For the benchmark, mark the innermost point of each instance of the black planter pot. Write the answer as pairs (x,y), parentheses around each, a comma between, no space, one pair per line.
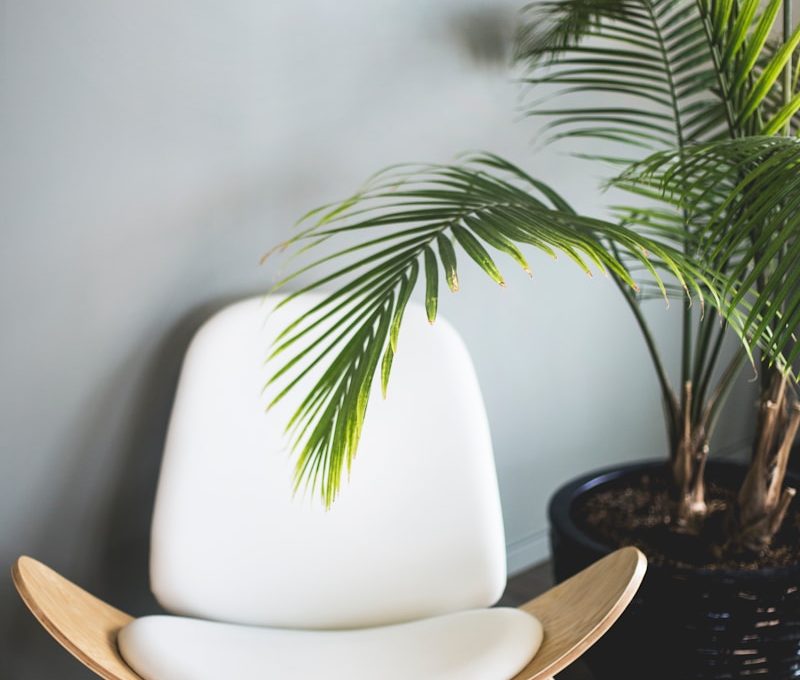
(686,624)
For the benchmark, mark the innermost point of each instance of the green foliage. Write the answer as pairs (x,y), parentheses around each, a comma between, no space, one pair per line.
(747,192)
(401,219)
(674,76)
(689,93)
(648,61)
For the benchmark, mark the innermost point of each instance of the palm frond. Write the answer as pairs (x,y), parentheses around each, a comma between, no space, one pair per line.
(410,224)
(649,59)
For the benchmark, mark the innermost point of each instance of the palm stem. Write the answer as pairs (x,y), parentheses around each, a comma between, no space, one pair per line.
(705,379)
(667,393)
(700,359)
(718,398)
(686,348)
(686,342)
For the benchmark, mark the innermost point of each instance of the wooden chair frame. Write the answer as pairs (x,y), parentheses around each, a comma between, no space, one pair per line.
(574,614)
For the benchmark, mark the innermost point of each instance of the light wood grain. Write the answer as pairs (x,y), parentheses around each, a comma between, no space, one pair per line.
(86,626)
(574,614)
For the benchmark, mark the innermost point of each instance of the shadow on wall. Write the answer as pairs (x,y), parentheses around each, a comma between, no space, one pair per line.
(112,559)
(485,34)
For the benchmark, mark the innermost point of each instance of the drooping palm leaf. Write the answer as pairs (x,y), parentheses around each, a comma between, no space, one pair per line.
(410,225)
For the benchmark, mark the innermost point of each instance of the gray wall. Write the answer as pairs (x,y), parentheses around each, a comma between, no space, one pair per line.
(152,151)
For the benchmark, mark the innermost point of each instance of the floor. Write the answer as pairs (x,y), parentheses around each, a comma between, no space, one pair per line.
(527,585)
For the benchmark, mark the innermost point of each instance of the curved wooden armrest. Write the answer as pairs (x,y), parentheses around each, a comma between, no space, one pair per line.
(84,625)
(577,613)
(574,614)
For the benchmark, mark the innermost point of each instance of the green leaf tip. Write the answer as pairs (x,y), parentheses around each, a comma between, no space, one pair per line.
(478,253)
(386,369)
(431,284)
(407,284)
(448,255)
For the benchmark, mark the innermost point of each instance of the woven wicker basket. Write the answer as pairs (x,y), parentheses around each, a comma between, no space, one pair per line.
(687,624)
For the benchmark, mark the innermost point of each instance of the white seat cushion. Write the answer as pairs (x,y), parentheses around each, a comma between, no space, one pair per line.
(484,644)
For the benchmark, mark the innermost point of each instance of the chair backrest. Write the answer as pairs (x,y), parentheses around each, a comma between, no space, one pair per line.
(416,531)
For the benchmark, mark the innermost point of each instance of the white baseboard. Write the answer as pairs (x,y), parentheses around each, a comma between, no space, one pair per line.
(527,551)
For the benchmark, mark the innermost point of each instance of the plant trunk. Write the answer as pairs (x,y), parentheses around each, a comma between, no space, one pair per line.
(688,467)
(763,501)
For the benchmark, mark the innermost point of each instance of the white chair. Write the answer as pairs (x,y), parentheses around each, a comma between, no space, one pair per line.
(393,583)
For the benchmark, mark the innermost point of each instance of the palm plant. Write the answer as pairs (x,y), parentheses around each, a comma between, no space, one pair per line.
(702,105)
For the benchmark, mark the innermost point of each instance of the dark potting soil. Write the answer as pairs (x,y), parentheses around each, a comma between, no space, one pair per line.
(637,512)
